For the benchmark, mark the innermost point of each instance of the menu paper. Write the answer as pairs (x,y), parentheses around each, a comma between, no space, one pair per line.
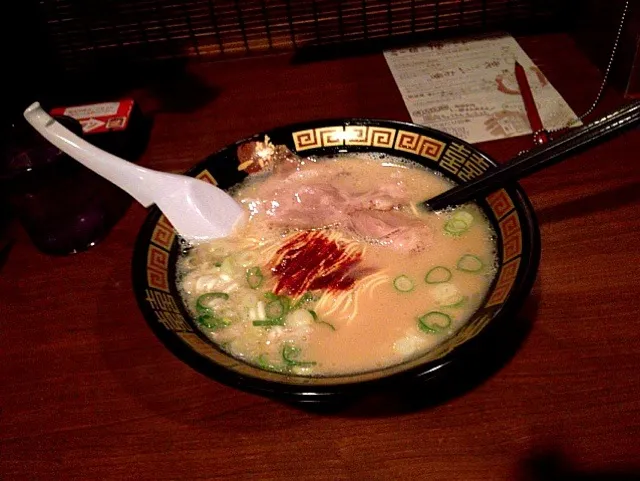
(468,88)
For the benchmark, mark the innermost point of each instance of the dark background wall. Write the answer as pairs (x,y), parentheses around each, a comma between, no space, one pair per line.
(596,25)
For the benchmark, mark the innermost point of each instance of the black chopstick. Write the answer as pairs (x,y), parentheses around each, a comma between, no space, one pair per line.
(539,157)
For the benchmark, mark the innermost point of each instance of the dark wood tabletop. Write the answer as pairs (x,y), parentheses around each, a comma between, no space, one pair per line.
(88,392)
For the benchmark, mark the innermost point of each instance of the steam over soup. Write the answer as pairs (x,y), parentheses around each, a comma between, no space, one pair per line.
(336,270)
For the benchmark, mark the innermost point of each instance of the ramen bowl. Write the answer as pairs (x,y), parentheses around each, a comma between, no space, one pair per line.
(508,210)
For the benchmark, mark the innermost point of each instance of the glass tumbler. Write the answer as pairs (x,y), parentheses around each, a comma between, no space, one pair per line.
(64,207)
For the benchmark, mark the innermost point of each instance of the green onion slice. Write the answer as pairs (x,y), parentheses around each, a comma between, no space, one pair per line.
(434,322)
(403,284)
(314,314)
(291,353)
(275,309)
(469,263)
(456,227)
(269,322)
(286,301)
(264,363)
(456,304)
(202,304)
(437,275)
(210,321)
(254,277)
(329,325)
(208,317)
(464,216)
(305,299)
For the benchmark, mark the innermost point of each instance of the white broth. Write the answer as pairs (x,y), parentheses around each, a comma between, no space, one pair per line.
(337,271)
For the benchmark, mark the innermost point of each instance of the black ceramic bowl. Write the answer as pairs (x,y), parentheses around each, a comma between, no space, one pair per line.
(508,210)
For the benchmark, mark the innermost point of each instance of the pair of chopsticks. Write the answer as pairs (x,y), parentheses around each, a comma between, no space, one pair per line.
(540,157)
(543,155)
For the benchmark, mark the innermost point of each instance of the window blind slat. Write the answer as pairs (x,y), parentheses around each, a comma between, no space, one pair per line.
(81,31)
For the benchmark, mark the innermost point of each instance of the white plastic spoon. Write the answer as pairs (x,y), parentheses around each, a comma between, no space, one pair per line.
(197,210)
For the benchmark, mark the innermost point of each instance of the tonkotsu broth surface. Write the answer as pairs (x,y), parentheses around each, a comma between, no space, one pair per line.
(373,323)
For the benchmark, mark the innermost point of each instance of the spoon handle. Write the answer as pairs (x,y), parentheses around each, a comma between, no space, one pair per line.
(539,158)
(131,178)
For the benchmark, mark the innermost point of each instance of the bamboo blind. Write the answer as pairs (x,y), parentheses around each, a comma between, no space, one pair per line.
(82,32)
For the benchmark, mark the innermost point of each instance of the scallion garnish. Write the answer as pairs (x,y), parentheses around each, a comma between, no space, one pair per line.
(434,322)
(305,299)
(469,263)
(206,304)
(458,303)
(437,275)
(203,302)
(275,309)
(264,363)
(269,322)
(456,227)
(403,284)
(254,277)
(210,321)
(464,216)
(290,354)
(314,314)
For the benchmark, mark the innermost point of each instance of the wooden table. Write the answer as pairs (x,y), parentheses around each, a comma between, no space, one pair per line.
(88,392)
